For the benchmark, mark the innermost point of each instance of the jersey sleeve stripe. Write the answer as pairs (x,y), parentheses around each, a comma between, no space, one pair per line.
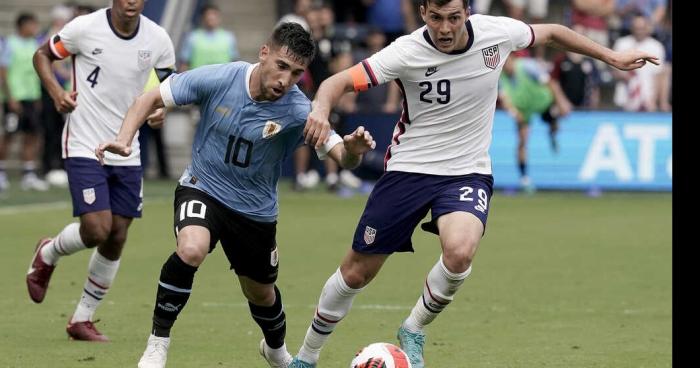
(166,93)
(370,73)
(532,31)
(359,79)
(57,48)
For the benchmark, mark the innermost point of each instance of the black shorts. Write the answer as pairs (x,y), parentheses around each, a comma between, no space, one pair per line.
(249,245)
(27,121)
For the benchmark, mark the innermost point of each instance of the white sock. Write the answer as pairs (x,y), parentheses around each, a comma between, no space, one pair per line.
(67,242)
(439,290)
(334,304)
(101,273)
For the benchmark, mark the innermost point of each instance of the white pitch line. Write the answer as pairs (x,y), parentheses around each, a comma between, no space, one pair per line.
(54,206)
(310,306)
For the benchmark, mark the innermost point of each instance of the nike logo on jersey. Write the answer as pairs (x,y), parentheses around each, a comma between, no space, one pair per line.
(432,70)
(97,51)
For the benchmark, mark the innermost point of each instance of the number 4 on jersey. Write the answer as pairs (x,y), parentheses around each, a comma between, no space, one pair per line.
(92,78)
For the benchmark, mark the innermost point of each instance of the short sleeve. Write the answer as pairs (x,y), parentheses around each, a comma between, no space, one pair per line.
(67,41)
(387,64)
(167,56)
(521,34)
(192,86)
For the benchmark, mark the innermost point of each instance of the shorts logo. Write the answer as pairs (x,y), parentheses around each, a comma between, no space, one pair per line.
(140,207)
(274,258)
(89,195)
(271,128)
(370,233)
(491,56)
(144,59)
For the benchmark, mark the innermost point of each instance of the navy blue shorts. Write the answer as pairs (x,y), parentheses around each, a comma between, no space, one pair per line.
(94,187)
(400,200)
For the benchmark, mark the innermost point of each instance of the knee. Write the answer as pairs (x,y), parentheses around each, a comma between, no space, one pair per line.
(191,254)
(457,259)
(355,278)
(94,233)
(260,296)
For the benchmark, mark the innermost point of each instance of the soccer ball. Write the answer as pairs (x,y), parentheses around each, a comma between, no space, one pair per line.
(57,178)
(380,355)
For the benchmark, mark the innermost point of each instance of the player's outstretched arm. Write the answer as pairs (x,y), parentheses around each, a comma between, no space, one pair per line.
(349,154)
(135,118)
(561,37)
(317,128)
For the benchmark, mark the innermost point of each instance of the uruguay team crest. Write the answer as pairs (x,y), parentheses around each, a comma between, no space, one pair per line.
(89,195)
(271,128)
(370,233)
(144,59)
(491,56)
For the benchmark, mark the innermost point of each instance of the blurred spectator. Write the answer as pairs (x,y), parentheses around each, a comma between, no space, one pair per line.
(665,37)
(626,10)
(52,120)
(82,9)
(23,90)
(332,55)
(536,9)
(592,18)
(382,98)
(301,8)
(208,44)
(394,17)
(578,78)
(350,11)
(525,88)
(639,90)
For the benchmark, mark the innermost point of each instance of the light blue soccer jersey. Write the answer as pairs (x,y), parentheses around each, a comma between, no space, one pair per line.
(240,143)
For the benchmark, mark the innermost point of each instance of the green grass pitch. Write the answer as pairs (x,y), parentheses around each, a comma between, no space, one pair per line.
(560,280)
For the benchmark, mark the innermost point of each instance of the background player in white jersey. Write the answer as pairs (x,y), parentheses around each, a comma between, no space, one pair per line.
(114,50)
(438,160)
(253,117)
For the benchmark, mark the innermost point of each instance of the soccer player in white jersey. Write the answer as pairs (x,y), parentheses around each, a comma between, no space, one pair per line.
(448,71)
(113,51)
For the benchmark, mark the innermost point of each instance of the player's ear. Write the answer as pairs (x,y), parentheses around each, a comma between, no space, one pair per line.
(264,51)
(422,13)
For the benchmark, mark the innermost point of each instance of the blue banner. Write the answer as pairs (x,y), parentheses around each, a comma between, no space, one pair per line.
(605,150)
(597,150)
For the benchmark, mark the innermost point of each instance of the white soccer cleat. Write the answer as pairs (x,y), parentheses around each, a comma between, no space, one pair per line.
(348,179)
(280,359)
(156,352)
(32,182)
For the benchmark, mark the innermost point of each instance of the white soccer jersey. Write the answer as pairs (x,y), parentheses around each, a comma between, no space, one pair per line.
(449,99)
(109,72)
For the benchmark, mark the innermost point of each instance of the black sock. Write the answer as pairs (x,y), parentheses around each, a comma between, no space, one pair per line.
(271,320)
(174,289)
(523,168)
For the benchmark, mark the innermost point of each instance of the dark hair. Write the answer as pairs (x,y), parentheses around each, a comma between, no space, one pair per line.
(24,18)
(442,3)
(297,40)
(209,6)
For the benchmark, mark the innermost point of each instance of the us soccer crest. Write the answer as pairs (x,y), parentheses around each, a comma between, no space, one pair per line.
(89,195)
(144,59)
(370,233)
(491,56)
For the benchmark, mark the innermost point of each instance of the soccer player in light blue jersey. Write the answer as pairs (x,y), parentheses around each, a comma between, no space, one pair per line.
(253,117)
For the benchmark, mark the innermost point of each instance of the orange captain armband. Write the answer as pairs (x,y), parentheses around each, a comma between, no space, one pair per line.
(57,48)
(362,76)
